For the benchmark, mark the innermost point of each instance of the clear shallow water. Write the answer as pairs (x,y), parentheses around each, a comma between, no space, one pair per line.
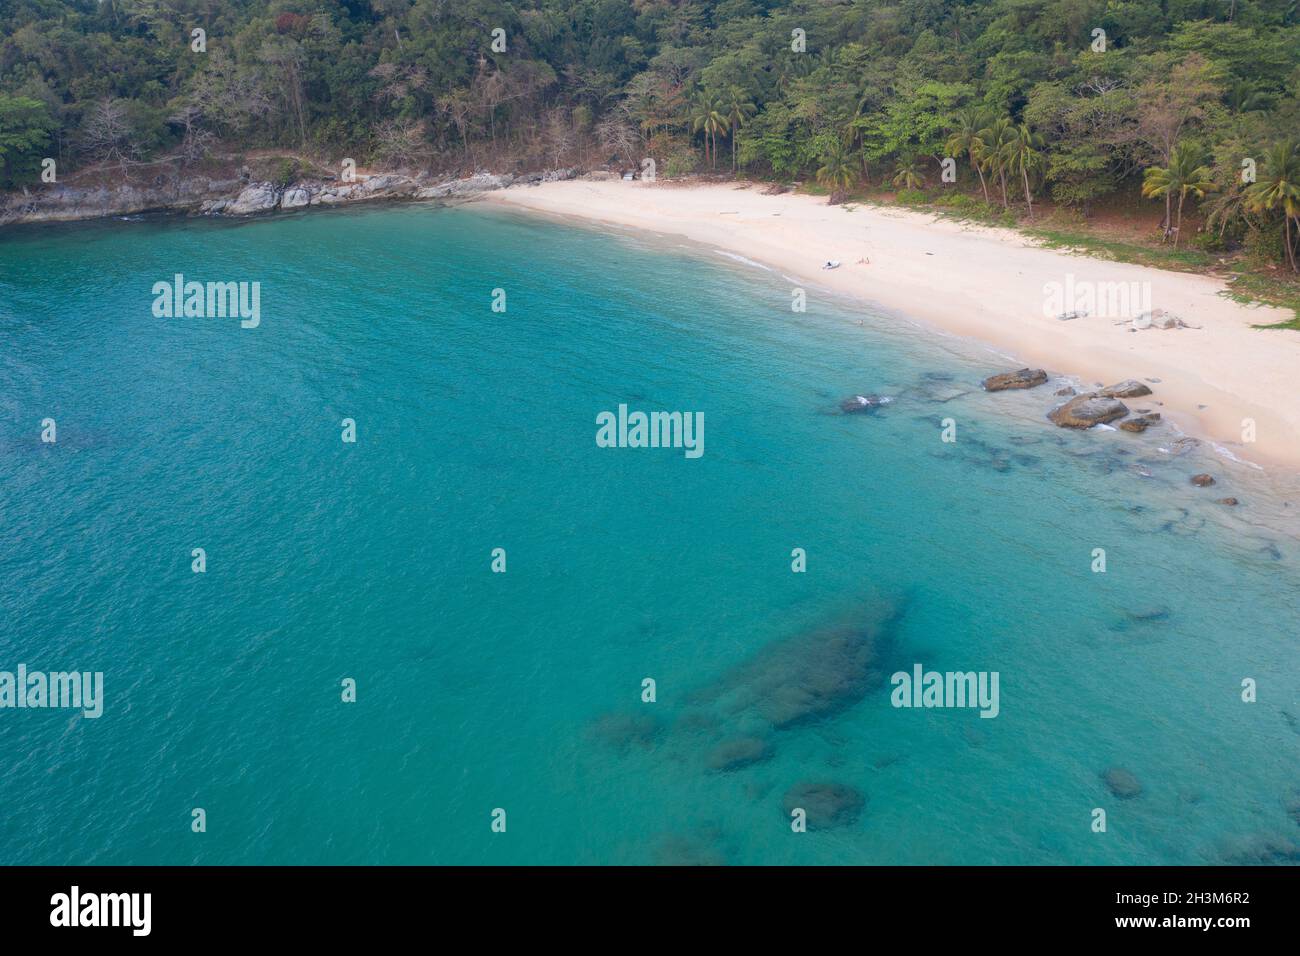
(478,690)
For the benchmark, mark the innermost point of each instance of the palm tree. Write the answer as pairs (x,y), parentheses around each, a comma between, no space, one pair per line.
(1243,97)
(739,110)
(1185,174)
(997,138)
(836,170)
(1022,153)
(907,174)
(708,115)
(1280,188)
(1228,210)
(965,138)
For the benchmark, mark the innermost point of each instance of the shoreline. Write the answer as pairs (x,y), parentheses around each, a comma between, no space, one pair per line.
(987,284)
(244,197)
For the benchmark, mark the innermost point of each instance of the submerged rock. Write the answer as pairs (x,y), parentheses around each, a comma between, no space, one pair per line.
(1262,848)
(1150,615)
(939,390)
(1202,480)
(622,731)
(1121,783)
(1021,378)
(863,403)
(1140,423)
(1128,389)
(1226,501)
(737,752)
(1181,446)
(1292,804)
(1088,410)
(809,676)
(827,805)
(690,849)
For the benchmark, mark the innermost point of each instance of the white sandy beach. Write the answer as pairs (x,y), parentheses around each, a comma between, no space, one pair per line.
(989,284)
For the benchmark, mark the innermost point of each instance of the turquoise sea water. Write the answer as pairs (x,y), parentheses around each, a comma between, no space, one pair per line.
(522,691)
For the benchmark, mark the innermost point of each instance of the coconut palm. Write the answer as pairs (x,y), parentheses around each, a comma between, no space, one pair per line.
(708,115)
(1243,97)
(739,110)
(1022,154)
(907,174)
(1230,209)
(997,138)
(836,171)
(965,139)
(1186,174)
(1280,188)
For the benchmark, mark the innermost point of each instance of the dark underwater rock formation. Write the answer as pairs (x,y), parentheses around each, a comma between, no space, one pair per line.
(622,731)
(811,675)
(827,805)
(856,404)
(737,752)
(1121,783)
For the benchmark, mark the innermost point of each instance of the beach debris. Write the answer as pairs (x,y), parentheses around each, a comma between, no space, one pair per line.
(1160,319)
(1202,480)
(1021,378)
(1140,423)
(831,264)
(1084,411)
(1121,783)
(827,805)
(1126,389)
(737,752)
(863,403)
(1226,501)
(1071,316)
